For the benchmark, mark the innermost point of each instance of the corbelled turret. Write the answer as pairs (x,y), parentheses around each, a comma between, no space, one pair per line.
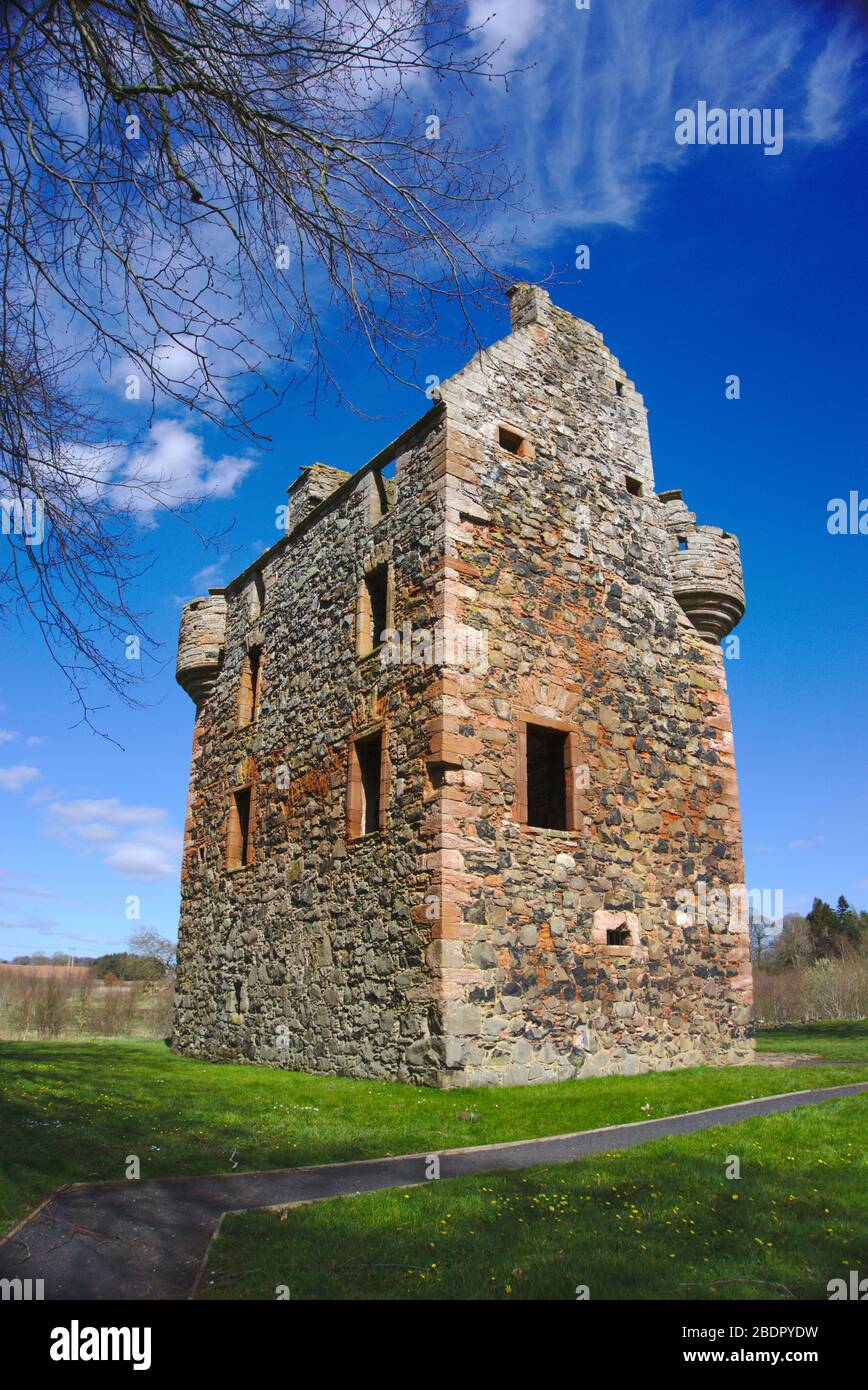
(706,570)
(200,645)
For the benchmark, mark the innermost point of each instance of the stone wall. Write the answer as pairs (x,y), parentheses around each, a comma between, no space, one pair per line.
(459,945)
(571,577)
(311,957)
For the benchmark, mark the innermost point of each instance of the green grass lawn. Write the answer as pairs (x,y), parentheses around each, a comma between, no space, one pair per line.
(659,1221)
(72,1111)
(846,1041)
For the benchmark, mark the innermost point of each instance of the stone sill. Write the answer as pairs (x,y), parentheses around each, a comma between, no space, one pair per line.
(570,835)
(353,840)
(368,656)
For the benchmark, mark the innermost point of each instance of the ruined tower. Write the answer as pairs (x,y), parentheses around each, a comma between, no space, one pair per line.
(462,782)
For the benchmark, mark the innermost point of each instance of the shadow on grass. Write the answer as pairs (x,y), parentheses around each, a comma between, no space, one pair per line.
(844,1029)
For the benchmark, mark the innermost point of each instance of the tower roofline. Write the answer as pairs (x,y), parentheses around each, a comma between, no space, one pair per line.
(350,480)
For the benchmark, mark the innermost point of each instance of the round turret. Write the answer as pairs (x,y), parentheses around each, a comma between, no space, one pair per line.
(200,645)
(706,570)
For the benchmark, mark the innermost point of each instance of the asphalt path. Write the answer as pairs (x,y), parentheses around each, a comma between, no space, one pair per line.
(147,1240)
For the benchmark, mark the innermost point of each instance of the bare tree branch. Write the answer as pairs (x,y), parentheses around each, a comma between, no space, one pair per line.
(202,200)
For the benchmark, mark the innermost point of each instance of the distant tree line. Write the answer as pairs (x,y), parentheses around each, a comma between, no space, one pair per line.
(123,965)
(58,958)
(150,957)
(826,933)
(813,967)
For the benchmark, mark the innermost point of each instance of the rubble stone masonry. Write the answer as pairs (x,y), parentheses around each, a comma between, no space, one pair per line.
(405,861)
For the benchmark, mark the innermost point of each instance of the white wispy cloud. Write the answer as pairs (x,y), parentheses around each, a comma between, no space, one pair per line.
(10,735)
(168,467)
(15,885)
(211,576)
(591,119)
(171,467)
(14,778)
(507,26)
(134,840)
(831,82)
(154,857)
(42,926)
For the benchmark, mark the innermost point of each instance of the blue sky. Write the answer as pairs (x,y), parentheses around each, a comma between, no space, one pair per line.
(703,263)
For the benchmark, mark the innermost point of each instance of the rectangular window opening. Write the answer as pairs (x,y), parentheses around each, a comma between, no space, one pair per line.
(374,609)
(365,790)
(682,542)
(259,590)
(248,691)
(619,387)
(255,667)
(509,440)
(633,486)
(240,849)
(546,754)
(381,488)
(618,936)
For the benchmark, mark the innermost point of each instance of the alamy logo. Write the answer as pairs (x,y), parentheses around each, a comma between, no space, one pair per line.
(739,125)
(445,645)
(23,1290)
(854,1288)
(847,517)
(23,516)
(77,1343)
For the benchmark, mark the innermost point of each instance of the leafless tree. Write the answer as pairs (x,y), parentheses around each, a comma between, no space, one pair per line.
(198,201)
(150,943)
(759,931)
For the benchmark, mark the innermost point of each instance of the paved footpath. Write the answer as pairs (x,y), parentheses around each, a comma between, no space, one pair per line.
(147,1240)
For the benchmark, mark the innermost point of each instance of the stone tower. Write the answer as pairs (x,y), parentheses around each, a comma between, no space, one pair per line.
(463,804)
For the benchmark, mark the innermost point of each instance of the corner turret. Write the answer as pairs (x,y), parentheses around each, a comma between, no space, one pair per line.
(200,645)
(706,570)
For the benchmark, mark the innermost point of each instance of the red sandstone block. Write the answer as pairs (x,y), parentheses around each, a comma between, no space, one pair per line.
(452,748)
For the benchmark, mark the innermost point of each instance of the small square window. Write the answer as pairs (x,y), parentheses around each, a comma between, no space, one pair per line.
(617,932)
(509,440)
(633,486)
(682,542)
